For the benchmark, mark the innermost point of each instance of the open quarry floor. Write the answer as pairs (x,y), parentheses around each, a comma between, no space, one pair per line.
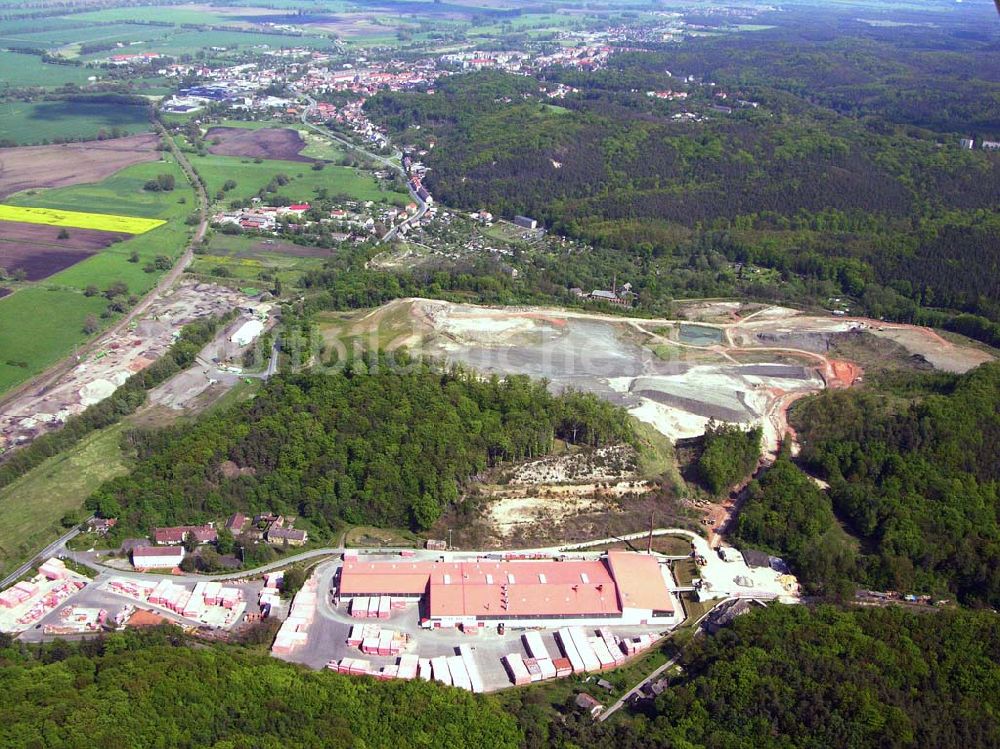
(671,374)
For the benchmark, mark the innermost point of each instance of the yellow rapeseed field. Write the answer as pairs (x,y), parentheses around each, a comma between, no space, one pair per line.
(78,220)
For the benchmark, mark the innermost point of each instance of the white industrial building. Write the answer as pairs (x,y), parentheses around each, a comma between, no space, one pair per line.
(247,332)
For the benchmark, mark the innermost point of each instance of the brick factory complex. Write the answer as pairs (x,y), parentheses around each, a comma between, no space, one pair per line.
(620,588)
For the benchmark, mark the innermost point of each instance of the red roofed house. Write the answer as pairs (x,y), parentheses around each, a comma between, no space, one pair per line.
(237,523)
(203,534)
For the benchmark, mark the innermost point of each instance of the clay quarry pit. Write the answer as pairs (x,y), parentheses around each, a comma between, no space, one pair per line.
(734,364)
(672,374)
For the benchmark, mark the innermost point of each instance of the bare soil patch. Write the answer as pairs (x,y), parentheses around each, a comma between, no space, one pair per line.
(30,167)
(283,248)
(267,143)
(37,250)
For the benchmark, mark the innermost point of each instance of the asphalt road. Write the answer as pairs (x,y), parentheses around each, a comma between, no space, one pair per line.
(49,551)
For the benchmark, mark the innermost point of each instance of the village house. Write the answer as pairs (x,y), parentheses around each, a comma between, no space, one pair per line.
(203,534)
(290,536)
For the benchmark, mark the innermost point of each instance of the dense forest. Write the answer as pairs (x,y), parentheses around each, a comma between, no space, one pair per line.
(856,198)
(153,690)
(787,514)
(730,454)
(386,443)
(915,474)
(793,677)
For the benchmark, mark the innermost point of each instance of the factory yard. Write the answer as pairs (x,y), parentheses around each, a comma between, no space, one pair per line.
(28,602)
(71,163)
(449,630)
(119,356)
(475,620)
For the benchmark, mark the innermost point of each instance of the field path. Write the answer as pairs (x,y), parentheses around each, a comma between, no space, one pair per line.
(38,384)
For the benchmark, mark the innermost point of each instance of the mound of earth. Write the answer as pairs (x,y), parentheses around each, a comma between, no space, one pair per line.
(267,143)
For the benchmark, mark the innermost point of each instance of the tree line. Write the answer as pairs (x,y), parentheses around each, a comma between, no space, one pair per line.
(386,443)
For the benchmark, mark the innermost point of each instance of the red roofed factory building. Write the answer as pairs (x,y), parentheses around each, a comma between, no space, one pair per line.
(620,588)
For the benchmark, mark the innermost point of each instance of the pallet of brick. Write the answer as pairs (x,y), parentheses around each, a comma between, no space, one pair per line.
(355,637)
(199,591)
(180,600)
(590,662)
(534,645)
(212,591)
(548,670)
(385,646)
(440,670)
(533,670)
(387,672)
(602,652)
(360,667)
(563,667)
(569,650)
(359,607)
(383,607)
(369,646)
(473,670)
(408,664)
(459,676)
(613,645)
(516,669)
(195,607)
(424,669)
(373,607)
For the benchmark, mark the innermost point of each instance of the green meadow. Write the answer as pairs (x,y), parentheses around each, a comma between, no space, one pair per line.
(31,71)
(304,181)
(51,121)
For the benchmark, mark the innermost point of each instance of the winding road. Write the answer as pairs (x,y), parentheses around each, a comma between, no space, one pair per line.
(385,161)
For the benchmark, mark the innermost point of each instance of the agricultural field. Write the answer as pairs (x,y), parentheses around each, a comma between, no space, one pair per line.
(32,71)
(40,325)
(42,322)
(304,181)
(33,123)
(37,251)
(98,221)
(45,166)
(71,31)
(314,147)
(246,258)
(259,143)
(33,505)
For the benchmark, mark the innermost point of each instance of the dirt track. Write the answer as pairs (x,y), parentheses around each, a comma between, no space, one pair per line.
(31,167)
